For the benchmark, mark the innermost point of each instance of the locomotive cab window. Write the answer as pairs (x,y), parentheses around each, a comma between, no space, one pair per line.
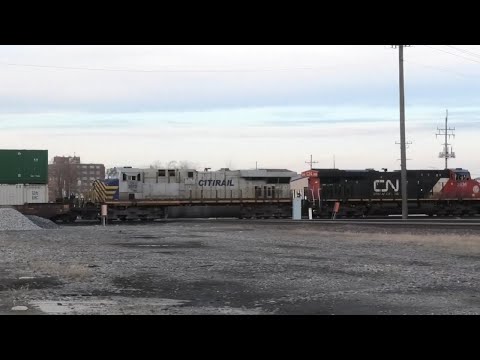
(461,176)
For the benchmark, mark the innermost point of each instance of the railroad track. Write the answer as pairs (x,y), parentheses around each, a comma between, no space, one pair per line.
(393,221)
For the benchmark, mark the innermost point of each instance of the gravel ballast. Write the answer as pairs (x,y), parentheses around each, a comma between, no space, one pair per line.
(11,219)
(42,222)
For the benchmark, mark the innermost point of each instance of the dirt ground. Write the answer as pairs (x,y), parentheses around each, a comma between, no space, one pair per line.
(239,267)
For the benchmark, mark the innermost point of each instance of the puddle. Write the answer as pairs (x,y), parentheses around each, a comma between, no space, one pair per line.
(27,283)
(69,307)
(230,311)
(104,306)
(147,237)
(178,245)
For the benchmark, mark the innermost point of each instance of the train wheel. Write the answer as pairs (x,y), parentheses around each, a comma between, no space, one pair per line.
(66,219)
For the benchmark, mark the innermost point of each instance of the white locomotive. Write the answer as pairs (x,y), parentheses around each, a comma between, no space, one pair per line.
(153,193)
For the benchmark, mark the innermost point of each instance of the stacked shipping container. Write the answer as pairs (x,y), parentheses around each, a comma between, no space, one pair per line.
(23,176)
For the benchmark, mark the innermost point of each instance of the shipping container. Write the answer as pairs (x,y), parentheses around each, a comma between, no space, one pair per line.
(20,194)
(23,166)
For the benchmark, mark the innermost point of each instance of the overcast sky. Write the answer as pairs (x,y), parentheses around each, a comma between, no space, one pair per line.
(233,106)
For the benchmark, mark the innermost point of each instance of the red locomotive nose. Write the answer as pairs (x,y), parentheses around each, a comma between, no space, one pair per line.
(476,188)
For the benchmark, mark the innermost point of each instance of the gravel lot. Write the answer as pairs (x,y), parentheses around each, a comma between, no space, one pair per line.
(239,267)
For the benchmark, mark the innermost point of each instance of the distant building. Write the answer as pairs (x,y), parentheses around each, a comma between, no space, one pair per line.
(67,176)
(66,160)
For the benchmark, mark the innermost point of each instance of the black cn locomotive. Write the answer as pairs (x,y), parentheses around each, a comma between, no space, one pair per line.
(361,193)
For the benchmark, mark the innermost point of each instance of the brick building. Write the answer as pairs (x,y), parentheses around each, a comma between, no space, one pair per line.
(68,176)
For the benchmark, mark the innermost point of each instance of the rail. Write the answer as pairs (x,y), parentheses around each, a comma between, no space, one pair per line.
(170,202)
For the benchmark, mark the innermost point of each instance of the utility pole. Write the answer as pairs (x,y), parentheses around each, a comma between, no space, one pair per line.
(407,143)
(403,151)
(311,162)
(334,161)
(447,132)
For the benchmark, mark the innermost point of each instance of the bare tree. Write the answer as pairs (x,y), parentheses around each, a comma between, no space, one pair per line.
(173,164)
(112,173)
(65,179)
(186,165)
(156,165)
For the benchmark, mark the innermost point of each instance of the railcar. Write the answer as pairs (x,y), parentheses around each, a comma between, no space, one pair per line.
(369,192)
(150,194)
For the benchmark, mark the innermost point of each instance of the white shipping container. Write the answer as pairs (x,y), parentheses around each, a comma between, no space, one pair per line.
(36,194)
(23,194)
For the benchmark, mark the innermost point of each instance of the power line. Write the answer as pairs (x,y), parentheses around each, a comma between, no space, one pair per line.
(443,69)
(162,71)
(464,51)
(217,70)
(448,52)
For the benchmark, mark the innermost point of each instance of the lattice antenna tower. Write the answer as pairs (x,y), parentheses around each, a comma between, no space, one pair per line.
(447,133)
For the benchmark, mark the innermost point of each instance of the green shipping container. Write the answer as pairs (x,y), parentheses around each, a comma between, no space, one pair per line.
(23,166)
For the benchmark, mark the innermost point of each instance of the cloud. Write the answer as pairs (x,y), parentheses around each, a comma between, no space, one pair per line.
(300,100)
(282,75)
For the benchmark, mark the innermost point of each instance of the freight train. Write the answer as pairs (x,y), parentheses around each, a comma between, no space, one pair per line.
(360,193)
(149,194)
